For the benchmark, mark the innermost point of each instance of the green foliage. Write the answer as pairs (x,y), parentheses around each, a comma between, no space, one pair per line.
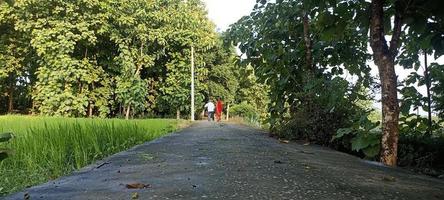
(223,80)
(422,152)
(244,109)
(46,148)
(328,103)
(305,103)
(363,136)
(97,58)
(437,79)
(252,92)
(273,42)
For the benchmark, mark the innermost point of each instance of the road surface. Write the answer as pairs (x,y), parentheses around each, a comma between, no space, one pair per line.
(227,161)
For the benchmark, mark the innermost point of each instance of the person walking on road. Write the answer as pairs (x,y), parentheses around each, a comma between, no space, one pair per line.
(219,108)
(210,110)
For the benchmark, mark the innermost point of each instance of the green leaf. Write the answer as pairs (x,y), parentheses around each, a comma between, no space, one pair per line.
(342,132)
(372,151)
(5,137)
(364,140)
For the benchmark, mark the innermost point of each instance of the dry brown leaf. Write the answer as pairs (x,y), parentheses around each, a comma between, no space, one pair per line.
(284,141)
(137,186)
(389,178)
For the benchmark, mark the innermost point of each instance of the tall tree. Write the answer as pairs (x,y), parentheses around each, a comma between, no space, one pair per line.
(419,18)
(298,48)
(384,56)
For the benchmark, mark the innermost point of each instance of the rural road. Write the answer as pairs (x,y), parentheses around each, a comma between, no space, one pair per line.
(226,161)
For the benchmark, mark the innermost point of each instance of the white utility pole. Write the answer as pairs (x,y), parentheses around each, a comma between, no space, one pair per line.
(192,83)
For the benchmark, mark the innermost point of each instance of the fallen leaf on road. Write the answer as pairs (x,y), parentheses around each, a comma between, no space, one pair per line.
(284,141)
(135,195)
(389,178)
(137,186)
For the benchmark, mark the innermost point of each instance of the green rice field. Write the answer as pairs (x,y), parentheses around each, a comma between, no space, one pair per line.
(44,148)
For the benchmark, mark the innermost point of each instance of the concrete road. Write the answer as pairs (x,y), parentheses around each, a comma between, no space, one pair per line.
(225,161)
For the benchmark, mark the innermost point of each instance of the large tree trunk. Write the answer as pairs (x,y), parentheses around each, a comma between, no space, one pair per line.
(390,113)
(11,94)
(177,114)
(384,57)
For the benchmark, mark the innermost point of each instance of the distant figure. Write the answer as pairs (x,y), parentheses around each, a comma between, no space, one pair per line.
(219,108)
(210,109)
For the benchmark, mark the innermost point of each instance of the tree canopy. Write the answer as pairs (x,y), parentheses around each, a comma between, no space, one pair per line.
(306,49)
(110,58)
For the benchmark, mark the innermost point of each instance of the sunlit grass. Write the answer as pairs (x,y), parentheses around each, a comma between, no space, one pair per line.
(45,148)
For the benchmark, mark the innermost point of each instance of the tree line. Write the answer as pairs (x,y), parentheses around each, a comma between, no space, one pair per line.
(111,58)
(306,51)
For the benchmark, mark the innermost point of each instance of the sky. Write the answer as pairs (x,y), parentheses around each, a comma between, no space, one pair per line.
(226,12)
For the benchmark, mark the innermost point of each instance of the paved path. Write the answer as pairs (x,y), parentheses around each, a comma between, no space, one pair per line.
(222,161)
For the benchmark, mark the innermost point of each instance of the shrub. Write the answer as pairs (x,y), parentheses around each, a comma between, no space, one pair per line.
(363,137)
(417,148)
(244,110)
(322,107)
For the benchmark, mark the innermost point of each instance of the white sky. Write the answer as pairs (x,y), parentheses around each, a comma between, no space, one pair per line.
(226,12)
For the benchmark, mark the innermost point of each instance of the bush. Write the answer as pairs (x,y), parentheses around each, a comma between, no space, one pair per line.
(322,108)
(244,110)
(421,151)
(363,138)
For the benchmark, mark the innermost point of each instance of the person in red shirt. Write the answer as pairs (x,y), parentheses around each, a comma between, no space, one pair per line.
(219,108)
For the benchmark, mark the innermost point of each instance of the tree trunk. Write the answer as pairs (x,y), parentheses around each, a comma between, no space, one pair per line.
(177,114)
(128,112)
(11,94)
(384,57)
(90,109)
(390,114)
(429,97)
(91,103)
(308,43)
(228,111)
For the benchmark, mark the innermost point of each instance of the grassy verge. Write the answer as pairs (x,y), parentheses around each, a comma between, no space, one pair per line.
(46,148)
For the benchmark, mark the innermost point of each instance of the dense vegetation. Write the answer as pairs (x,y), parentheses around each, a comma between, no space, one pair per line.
(314,56)
(104,59)
(111,58)
(44,148)
(305,67)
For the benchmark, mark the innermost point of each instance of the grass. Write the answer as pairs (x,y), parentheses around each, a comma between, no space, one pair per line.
(45,148)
